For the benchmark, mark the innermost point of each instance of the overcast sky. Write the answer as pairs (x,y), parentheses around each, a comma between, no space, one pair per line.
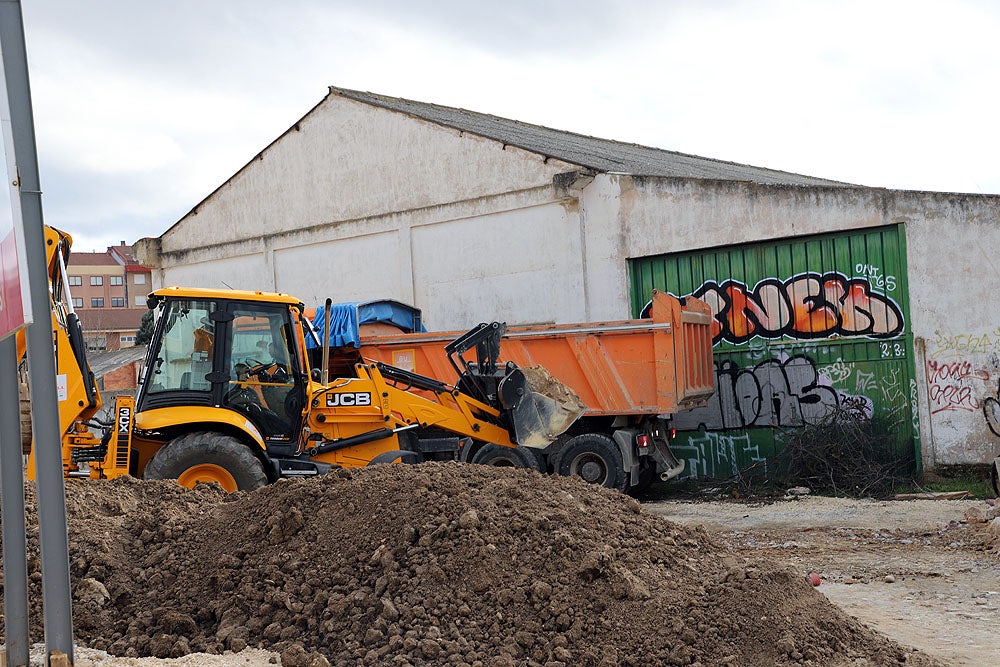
(142,108)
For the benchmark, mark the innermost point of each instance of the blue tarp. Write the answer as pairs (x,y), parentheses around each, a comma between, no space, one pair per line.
(346,318)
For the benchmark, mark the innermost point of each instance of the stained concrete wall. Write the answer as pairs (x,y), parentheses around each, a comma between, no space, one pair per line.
(953,273)
(355,203)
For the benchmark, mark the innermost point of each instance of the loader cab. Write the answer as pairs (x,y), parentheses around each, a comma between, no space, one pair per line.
(232,354)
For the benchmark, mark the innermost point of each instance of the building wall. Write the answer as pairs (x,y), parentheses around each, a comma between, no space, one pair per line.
(123,378)
(107,310)
(950,270)
(347,161)
(86,292)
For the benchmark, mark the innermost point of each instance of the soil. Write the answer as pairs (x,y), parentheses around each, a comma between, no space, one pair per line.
(434,564)
(924,572)
(542,382)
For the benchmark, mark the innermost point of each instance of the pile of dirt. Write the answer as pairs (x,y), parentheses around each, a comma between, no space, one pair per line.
(433,564)
(988,516)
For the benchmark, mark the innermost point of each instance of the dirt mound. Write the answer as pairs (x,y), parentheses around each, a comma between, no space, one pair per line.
(433,564)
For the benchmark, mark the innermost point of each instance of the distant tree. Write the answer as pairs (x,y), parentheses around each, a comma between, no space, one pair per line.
(145,332)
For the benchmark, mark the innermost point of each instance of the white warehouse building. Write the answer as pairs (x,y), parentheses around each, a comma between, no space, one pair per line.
(825,293)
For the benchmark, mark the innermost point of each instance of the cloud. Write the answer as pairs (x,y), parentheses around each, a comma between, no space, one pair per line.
(142,109)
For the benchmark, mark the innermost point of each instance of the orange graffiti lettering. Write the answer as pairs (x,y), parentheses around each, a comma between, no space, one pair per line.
(809,305)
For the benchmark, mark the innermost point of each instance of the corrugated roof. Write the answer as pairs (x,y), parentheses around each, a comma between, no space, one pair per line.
(103,363)
(80,259)
(601,155)
(123,255)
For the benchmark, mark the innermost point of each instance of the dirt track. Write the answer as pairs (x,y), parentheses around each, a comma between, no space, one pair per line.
(435,564)
(945,592)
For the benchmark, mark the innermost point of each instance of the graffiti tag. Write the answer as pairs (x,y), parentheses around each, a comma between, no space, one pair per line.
(991,410)
(949,385)
(838,371)
(966,343)
(717,454)
(809,305)
(876,277)
(776,392)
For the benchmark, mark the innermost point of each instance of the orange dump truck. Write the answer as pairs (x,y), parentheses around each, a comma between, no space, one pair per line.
(631,375)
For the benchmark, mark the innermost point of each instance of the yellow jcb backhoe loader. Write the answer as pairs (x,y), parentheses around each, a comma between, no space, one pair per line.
(227,395)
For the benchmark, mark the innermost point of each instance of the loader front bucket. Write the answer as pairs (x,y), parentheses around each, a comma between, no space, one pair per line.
(539,406)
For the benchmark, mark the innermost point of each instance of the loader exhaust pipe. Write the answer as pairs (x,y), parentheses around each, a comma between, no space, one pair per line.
(325,376)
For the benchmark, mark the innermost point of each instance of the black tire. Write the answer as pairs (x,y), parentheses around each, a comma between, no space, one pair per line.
(594,458)
(396,455)
(510,457)
(214,453)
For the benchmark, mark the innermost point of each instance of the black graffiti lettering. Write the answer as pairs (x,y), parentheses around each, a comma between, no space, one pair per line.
(774,393)
(991,410)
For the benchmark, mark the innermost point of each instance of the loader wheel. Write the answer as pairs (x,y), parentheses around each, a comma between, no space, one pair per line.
(511,457)
(207,457)
(595,458)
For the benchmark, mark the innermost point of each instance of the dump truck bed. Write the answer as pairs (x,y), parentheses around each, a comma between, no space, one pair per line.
(649,366)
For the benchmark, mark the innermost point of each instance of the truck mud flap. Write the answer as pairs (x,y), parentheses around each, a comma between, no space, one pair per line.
(538,414)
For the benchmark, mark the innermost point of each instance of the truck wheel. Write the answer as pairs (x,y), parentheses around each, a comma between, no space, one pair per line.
(205,456)
(595,458)
(511,457)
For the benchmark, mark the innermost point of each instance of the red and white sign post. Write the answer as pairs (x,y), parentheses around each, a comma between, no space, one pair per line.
(23,253)
(15,298)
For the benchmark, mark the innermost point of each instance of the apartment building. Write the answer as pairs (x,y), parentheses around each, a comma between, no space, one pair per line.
(109,294)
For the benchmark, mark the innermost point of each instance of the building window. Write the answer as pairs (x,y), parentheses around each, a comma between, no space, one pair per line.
(116,281)
(96,281)
(96,343)
(75,281)
(78,302)
(126,339)
(117,302)
(97,302)
(140,301)
(139,279)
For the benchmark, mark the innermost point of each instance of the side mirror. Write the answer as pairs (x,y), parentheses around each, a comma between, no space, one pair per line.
(315,375)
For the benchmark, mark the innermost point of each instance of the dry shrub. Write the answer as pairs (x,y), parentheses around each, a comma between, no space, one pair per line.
(847,452)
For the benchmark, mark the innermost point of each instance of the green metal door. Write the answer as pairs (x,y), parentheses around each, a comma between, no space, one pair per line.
(803,327)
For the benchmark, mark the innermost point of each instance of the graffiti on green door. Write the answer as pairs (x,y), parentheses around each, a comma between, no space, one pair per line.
(804,329)
(807,305)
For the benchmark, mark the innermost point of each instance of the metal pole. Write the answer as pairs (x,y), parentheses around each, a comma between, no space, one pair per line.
(15,565)
(56,594)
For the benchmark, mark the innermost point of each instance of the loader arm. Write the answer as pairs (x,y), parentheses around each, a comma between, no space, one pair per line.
(105,453)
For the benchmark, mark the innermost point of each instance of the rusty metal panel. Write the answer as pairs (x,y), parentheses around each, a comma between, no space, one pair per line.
(802,326)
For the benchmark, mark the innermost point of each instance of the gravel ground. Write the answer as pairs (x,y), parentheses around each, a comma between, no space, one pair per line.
(923,572)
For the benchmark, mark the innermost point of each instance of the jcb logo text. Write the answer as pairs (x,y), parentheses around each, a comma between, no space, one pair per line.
(348,399)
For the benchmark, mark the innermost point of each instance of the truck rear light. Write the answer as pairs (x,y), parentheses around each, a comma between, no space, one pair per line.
(644,442)
(673,433)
